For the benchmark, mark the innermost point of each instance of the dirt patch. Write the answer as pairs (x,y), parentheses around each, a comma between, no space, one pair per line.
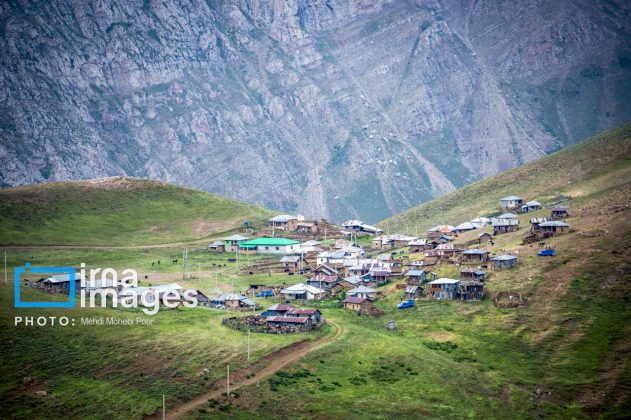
(202,228)
(441,336)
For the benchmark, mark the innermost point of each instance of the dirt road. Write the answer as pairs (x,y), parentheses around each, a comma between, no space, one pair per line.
(262,369)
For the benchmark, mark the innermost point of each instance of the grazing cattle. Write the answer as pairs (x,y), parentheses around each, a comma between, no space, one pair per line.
(175,261)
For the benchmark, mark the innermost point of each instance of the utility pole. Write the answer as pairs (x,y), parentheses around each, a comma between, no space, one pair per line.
(5,267)
(199,269)
(164,410)
(184,263)
(228,382)
(248,345)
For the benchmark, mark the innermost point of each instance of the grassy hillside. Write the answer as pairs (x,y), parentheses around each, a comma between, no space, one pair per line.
(578,171)
(567,354)
(117,371)
(116,211)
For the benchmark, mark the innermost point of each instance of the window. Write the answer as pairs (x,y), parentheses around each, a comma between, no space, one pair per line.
(277,248)
(266,248)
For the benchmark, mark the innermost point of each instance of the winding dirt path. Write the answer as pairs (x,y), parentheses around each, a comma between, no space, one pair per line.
(263,368)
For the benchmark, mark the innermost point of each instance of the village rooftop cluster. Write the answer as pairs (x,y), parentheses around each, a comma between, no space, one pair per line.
(356,264)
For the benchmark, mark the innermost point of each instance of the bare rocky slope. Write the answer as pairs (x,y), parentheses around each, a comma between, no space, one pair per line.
(329,108)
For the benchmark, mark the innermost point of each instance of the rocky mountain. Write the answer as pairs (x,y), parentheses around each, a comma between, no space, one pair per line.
(336,108)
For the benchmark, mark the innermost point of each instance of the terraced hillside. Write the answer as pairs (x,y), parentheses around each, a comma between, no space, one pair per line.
(116,211)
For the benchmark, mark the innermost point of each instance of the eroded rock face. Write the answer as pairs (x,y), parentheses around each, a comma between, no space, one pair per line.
(331,108)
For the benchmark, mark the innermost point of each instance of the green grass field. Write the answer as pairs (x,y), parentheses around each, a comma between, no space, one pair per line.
(116,371)
(565,355)
(116,212)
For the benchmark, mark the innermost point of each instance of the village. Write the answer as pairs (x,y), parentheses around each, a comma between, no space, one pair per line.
(354,265)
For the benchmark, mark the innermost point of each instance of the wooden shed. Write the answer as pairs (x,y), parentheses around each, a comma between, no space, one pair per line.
(471,290)
(560,212)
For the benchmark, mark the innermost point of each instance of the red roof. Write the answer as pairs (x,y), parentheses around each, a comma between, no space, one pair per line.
(354,299)
(288,319)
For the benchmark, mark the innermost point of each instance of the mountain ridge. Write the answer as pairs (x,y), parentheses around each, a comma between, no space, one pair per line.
(337,109)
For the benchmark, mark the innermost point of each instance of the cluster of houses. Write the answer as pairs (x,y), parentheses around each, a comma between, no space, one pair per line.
(346,267)
(280,318)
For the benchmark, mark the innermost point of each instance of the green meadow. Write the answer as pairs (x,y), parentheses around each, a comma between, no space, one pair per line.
(566,354)
(116,371)
(117,212)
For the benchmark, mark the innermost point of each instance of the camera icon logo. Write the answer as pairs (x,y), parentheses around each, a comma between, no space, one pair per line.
(62,274)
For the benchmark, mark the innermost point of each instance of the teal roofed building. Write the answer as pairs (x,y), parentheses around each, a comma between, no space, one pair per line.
(282,246)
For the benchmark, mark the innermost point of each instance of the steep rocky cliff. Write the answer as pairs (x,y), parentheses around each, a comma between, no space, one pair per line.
(330,108)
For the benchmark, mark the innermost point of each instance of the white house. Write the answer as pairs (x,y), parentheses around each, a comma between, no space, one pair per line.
(303,292)
(330,257)
(510,202)
(363,292)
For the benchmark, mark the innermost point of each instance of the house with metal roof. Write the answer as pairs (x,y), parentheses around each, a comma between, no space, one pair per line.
(510,202)
(504,225)
(278,309)
(481,221)
(323,281)
(302,291)
(61,283)
(554,227)
(501,262)
(442,288)
(358,304)
(283,222)
(507,215)
(302,323)
(218,247)
(269,246)
(293,263)
(465,227)
(418,245)
(313,313)
(560,212)
(472,274)
(531,206)
(232,242)
(361,227)
(412,292)
(363,292)
(474,256)
(332,258)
